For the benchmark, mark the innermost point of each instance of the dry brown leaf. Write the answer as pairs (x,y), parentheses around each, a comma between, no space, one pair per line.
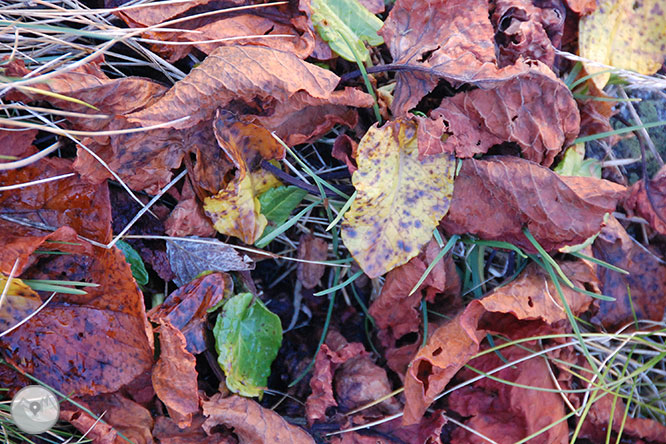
(507,413)
(186,308)
(252,423)
(360,381)
(175,377)
(582,7)
(647,281)
(518,110)
(312,249)
(531,298)
(167,432)
(496,197)
(250,80)
(637,202)
(344,149)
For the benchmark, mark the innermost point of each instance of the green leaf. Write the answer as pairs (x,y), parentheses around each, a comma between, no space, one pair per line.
(136,264)
(574,163)
(334,19)
(277,205)
(247,340)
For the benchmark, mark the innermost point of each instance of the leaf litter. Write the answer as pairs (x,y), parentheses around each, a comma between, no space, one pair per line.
(466,234)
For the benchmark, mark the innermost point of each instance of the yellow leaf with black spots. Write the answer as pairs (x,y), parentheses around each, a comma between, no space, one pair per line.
(236,211)
(18,303)
(626,34)
(400,199)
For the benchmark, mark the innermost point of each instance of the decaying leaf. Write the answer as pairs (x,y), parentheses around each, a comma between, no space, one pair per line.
(360,381)
(189,259)
(646,282)
(638,203)
(252,423)
(188,218)
(496,197)
(347,26)
(247,339)
(400,200)
(18,303)
(175,377)
(187,307)
(624,34)
(167,432)
(531,298)
(313,249)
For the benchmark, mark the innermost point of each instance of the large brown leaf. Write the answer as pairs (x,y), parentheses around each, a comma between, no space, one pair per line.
(527,306)
(251,80)
(638,202)
(252,423)
(496,197)
(646,282)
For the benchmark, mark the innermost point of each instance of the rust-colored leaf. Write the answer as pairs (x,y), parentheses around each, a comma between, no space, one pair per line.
(250,80)
(313,249)
(167,432)
(638,203)
(582,7)
(344,149)
(175,377)
(360,381)
(186,308)
(496,197)
(531,297)
(252,423)
(533,109)
(646,282)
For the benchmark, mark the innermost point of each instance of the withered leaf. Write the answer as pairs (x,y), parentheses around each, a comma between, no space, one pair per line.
(18,302)
(252,423)
(175,377)
(400,199)
(496,197)
(189,259)
(637,202)
(167,432)
(250,80)
(360,381)
(313,249)
(646,282)
(186,308)
(531,298)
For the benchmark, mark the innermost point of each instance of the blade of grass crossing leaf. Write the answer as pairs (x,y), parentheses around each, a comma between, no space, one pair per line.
(438,238)
(546,257)
(626,412)
(572,75)
(318,180)
(599,262)
(56,288)
(342,211)
(619,131)
(497,244)
(340,285)
(603,99)
(615,396)
(451,242)
(284,227)
(589,76)
(424,314)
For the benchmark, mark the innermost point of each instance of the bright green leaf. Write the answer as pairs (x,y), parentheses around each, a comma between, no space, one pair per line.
(247,340)
(340,20)
(277,205)
(134,260)
(574,163)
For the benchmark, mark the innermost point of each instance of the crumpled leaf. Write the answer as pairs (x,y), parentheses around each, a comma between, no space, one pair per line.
(174,376)
(311,248)
(496,197)
(247,339)
(187,307)
(517,110)
(531,297)
(252,423)
(400,199)
(624,34)
(252,80)
(506,413)
(289,20)
(189,259)
(360,381)
(188,218)
(529,30)
(646,281)
(345,23)
(637,202)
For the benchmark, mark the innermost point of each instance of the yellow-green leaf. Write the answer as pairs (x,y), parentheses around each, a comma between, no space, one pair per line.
(400,199)
(626,34)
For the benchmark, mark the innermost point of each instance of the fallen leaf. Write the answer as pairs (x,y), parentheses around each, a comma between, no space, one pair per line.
(529,30)
(252,423)
(312,249)
(507,413)
(175,377)
(646,282)
(249,80)
(347,26)
(344,149)
(582,7)
(624,34)
(17,144)
(137,267)
(186,308)
(189,259)
(188,218)
(637,201)
(17,303)
(360,381)
(277,205)
(516,110)
(496,197)
(167,432)
(530,298)
(247,339)
(400,199)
